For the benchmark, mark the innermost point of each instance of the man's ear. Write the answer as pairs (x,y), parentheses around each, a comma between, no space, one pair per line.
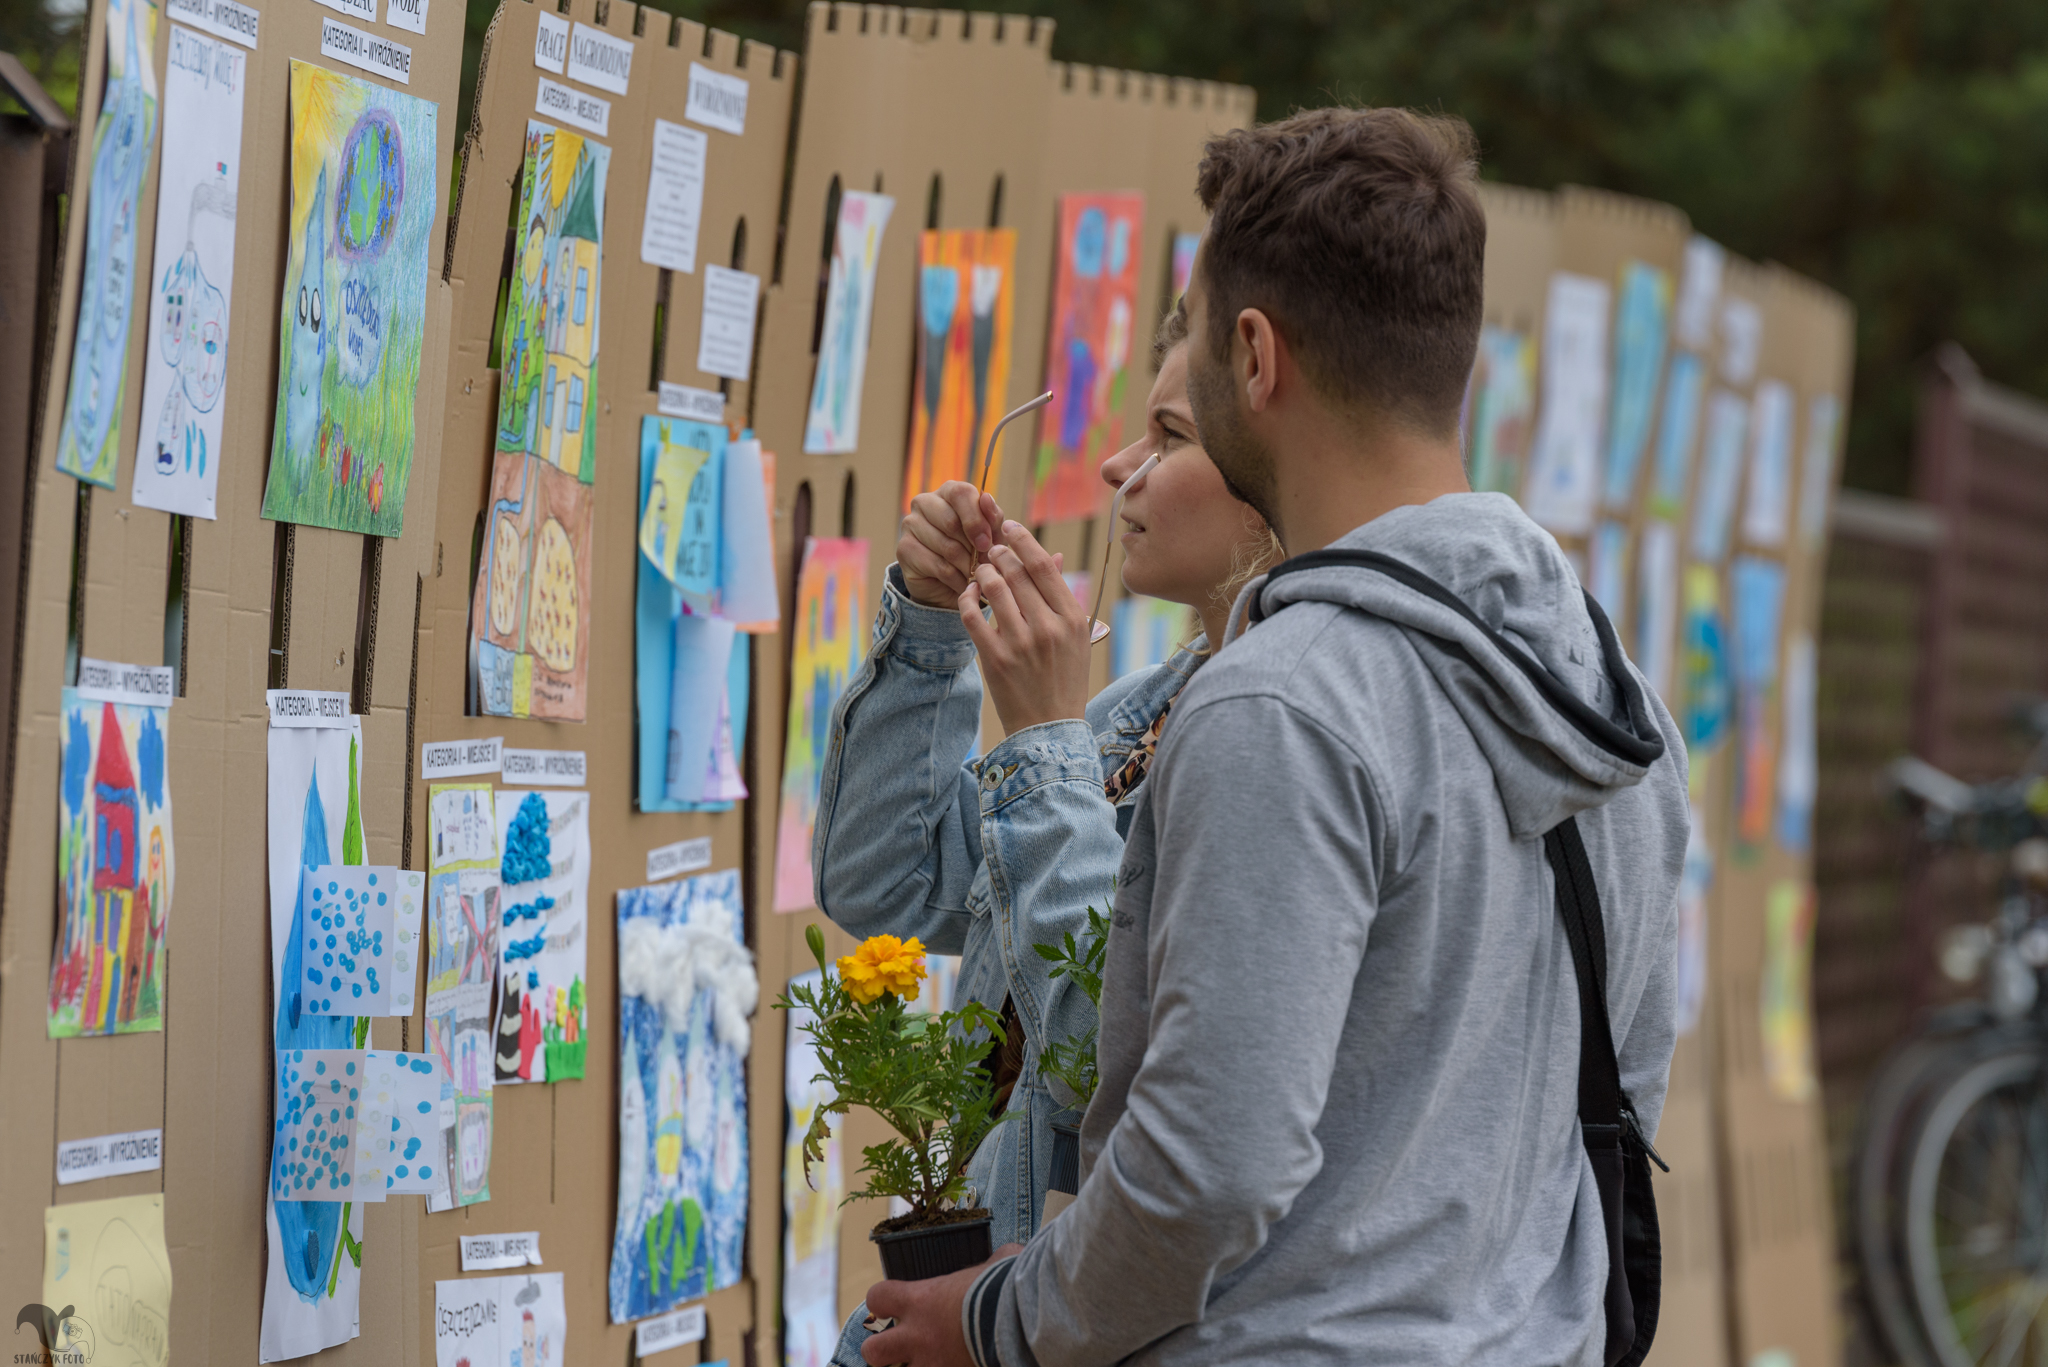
(1257,347)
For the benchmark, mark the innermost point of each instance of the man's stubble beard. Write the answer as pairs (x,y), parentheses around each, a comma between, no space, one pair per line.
(1241,458)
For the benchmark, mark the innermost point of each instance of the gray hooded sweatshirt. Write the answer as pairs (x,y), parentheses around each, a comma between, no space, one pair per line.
(1337,1118)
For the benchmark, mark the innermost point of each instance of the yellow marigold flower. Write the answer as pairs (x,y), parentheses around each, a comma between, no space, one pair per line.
(883,963)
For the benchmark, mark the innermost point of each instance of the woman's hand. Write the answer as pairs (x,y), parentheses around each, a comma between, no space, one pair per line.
(1034,645)
(944,535)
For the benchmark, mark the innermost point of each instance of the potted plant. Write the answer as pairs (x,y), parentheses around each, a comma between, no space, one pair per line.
(1071,1061)
(920,1072)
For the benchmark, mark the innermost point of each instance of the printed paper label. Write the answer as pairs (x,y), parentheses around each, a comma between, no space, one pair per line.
(717,100)
(685,856)
(596,58)
(109,1155)
(688,401)
(545,768)
(675,197)
(573,107)
(669,1331)
(365,10)
(441,759)
(551,43)
(725,344)
(484,1252)
(294,708)
(366,51)
(139,685)
(221,18)
(407,14)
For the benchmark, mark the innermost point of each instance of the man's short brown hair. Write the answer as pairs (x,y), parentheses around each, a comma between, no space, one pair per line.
(1359,233)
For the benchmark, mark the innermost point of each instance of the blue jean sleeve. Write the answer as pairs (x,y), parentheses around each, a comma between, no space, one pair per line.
(897,841)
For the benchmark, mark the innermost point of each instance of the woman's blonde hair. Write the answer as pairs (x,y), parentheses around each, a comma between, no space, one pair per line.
(1261,550)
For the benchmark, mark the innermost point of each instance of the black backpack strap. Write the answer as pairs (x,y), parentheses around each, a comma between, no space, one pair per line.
(1578,903)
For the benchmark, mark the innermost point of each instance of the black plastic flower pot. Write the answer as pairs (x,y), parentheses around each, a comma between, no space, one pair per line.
(1066,1157)
(913,1255)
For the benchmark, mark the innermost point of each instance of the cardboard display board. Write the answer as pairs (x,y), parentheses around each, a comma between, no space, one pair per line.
(554,1151)
(967,124)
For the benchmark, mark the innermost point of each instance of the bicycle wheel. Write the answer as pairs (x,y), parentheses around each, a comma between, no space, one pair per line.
(1977,1211)
(1892,1108)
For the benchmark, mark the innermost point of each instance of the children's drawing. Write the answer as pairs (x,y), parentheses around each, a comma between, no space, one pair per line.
(1185,245)
(355,1124)
(1564,466)
(363,183)
(1757,597)
(1799,750)
(659,621)
(1713,504)
(1148,631)
(966,284)
(1607,573)
(687,988)
(115,861)
(1656,615)
(811,1195)
(1767,506)
(1642,326)
(1678,426)
(832,427)
(514,1321)
(827,639)
(1785,992)
(177,455)
(462,963)
(530,617)
(360,934)
(1094,305)
(314,1247)
(402,1104)
(1694,883)
(89,442)
(1704,718)
(543,934)
(547,394)
(697,708)
(1817,468)
(1503,409)
(107,1273)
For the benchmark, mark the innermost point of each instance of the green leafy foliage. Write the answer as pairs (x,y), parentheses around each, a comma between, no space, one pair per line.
(1072,1060)
(922,1073)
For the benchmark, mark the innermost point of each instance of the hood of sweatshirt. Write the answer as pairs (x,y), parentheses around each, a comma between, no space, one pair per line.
(1522,652)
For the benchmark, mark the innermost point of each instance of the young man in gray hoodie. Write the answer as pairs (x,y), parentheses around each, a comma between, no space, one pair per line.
(1339,1050)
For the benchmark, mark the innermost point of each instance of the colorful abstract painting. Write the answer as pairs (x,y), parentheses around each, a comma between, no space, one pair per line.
(966,285)
(89,443)
(1185,245)
(811,1197)
(1704,695)
(462,963)
(1147,632)
(543,935)
(115,863)
(185,365)
(547,393)
(315,1251)
(1757,611)
(1642,329)
(363,187)
(1502,415)
(832,426)
(530,619)
(1088,351)
(687,989)
(1785,991)
(827,640)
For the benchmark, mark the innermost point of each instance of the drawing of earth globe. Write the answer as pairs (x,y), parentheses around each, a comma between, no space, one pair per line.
(372,186)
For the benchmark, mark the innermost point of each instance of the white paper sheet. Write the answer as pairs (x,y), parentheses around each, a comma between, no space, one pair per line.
(725,342)
(1656,640)
(675,197)
(1565,469)
(696,702)
(514,1321)
(543,938)
(314,818)
(1767,511)
(178,442)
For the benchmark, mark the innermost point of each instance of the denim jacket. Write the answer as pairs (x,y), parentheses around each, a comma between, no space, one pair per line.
(984,857)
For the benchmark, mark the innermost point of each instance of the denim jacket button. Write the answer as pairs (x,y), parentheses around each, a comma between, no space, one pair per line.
(991,776)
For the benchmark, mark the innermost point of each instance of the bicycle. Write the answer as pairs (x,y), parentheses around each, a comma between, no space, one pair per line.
(1951,1178)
